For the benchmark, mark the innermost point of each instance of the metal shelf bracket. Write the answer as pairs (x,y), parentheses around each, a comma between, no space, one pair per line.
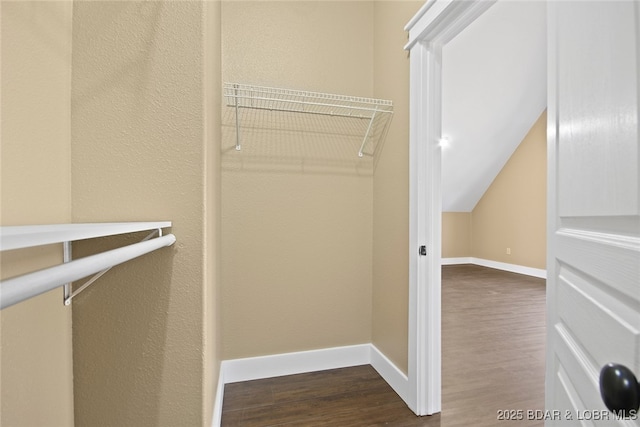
(68,292)
(238,146)
(366,135)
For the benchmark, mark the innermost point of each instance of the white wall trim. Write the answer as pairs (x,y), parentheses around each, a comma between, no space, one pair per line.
(277,365)
(456,261)
(514,268)
(397,379)
(424,230)
(217,405)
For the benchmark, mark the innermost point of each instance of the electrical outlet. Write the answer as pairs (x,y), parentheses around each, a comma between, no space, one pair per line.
(508,251)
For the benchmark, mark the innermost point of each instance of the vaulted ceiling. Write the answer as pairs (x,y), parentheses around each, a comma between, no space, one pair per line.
(494,89)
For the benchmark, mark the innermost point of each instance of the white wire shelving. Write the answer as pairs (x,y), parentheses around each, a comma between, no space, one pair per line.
(374,112)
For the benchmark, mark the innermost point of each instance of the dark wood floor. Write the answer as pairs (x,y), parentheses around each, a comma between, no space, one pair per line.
(493,329)
(355,396)
(493,346)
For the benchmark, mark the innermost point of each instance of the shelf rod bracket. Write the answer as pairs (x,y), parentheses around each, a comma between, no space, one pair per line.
(366,135)
(69,294)
(235,91)
(66,257)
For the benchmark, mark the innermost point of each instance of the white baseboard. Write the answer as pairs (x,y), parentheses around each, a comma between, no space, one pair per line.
(513,268)
(398,381)
(455,261)
(217,405)
(276,365)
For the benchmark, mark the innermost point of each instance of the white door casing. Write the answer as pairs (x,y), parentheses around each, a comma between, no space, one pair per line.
(593,256)
(435,24)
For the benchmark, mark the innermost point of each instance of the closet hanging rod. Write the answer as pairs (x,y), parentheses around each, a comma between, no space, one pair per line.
(17,289)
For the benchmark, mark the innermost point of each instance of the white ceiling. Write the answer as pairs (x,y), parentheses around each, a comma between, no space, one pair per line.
(494,89)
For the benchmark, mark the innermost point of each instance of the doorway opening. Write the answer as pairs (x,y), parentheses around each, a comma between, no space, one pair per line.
(479,153)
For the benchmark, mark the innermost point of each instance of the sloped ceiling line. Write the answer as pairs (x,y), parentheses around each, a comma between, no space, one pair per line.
(494,89)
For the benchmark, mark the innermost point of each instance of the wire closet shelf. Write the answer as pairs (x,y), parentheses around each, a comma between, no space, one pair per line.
(241,96)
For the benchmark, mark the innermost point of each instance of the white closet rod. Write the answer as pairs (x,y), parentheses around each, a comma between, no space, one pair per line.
(18,289)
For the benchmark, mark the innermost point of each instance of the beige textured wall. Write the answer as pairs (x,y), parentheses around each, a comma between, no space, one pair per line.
(36,371)
(456,234)
(512,212)
(297,206)
(391,184)
(142,343)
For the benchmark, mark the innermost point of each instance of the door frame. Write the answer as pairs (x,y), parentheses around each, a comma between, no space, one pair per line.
(433,26)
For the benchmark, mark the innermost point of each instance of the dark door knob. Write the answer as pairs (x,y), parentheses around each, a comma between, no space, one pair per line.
(619,389)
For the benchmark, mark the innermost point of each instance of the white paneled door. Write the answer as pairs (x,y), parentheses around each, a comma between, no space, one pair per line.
(593,290)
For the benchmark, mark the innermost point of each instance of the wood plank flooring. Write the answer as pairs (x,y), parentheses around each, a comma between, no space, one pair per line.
(493,346)
(355,396)
(493,332)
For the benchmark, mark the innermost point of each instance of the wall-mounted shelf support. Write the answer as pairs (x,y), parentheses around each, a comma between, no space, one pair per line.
(366,135)
(235,92)
(89,282)
(69,294)
(66,257)
(20,288)
(242,96)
